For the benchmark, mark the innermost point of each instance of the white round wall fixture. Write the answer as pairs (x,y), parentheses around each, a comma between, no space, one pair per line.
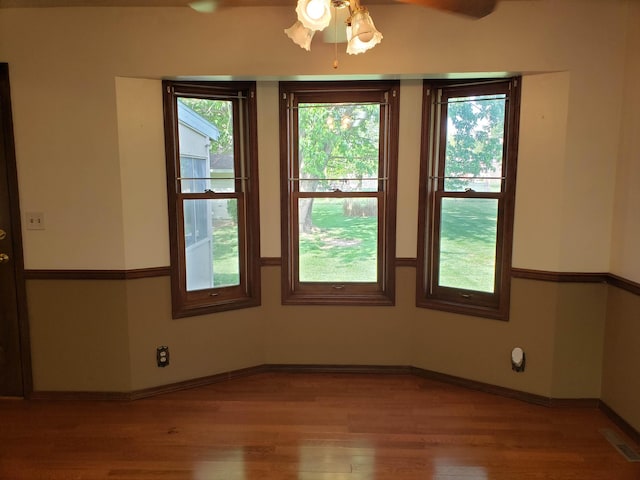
(518,359)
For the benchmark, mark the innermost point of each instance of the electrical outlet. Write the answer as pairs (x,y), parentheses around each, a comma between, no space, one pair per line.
(162,356)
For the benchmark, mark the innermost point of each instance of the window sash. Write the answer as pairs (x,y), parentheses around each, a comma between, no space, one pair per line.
(224,293)
(431,291)
(447,96)
(293,94)
(337,286)
(459,294)
(243,182)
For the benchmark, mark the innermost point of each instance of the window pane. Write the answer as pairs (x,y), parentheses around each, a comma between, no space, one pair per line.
(475,138)
(338,147)
(468,243)
(205,136)
(196,222)
(338,239)
(194,172)
(211,241)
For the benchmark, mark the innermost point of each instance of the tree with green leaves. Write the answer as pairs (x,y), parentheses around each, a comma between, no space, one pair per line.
(220,114)
(474,138)
(336,141)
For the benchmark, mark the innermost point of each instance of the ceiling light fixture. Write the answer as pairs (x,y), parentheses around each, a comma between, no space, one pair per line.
(315,15)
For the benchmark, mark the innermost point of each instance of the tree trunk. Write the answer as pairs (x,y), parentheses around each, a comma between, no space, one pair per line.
(304,215)
(305,208)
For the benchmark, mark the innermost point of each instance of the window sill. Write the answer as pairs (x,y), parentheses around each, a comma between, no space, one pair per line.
(182,311)
(374,300)
(494,313)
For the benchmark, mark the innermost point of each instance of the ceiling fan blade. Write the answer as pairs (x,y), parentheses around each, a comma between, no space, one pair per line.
(470,8)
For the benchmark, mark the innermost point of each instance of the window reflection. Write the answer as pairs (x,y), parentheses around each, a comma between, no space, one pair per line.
(447,469)
(340,462)
(225,465)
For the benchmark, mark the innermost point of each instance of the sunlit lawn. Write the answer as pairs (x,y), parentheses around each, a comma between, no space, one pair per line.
(344,249)
(340,248)
(225,254)
(468,243)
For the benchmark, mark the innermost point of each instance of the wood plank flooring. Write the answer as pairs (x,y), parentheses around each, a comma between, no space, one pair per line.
(308,426)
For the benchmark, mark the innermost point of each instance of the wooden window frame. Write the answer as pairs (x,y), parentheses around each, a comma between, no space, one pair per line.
(428,293)
(247,293)
(382,292)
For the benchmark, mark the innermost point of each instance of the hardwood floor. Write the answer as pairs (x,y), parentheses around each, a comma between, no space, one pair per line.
(308,427)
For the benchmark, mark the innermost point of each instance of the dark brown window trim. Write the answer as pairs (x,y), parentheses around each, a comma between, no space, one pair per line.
(524,273)
(97,274)
(247,293)
(406,262)
(562,277)
(309,293)
(270,261)
(578,277)
(623,283)
(428,293)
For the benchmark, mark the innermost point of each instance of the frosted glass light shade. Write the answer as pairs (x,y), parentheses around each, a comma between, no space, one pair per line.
(362,35)
(336,32)
(204,6)
(314,14)
(300,35)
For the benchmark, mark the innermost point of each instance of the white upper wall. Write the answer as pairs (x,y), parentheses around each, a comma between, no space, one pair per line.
(73,74)
(143,172)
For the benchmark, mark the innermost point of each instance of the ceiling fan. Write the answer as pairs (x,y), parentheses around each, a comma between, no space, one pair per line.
(359,31)
(469,8)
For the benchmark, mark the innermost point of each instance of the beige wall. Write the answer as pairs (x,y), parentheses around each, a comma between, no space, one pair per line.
(560,327)
(480,349)
(538,223)
(71,105)
(578,332)
(199,346)
(626,232)
(79,335)
(620,386)
(142,172)
(338,335)
(89,142)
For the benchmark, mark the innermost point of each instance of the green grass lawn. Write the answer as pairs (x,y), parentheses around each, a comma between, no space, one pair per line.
(344,249)
(468,243)
(226,270)
(339,248)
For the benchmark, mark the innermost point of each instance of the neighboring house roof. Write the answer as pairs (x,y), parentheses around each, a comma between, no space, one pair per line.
(222,161)
(197,122)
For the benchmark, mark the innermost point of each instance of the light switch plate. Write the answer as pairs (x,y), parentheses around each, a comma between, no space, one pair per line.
(34,220)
